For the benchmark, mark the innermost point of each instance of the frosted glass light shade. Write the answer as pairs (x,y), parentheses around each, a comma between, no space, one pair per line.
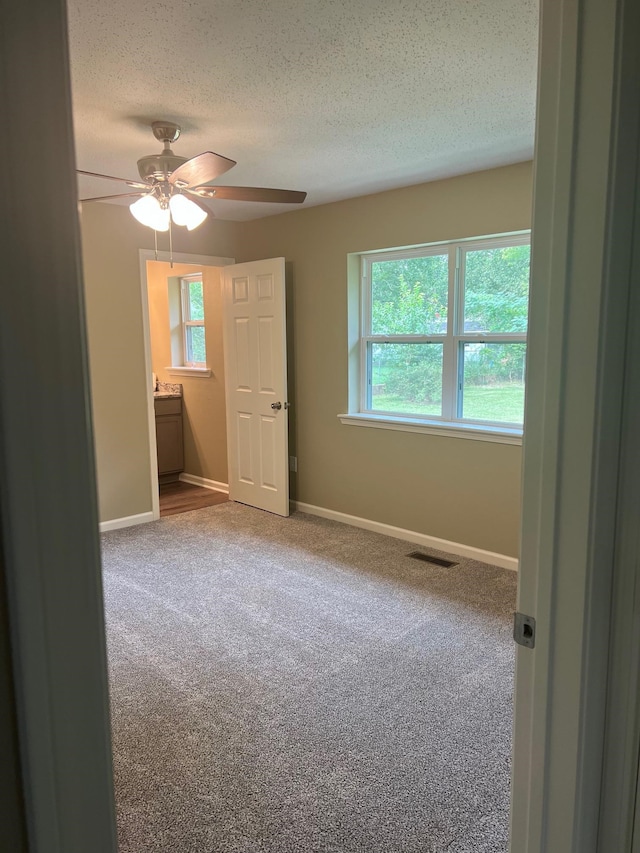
(147,210)
(185,212)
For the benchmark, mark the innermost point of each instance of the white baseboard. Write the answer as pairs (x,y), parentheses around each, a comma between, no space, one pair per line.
(411,536)
(127,521)
(214,485)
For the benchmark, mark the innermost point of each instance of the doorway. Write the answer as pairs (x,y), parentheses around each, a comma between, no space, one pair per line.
(185,368)
(208,320)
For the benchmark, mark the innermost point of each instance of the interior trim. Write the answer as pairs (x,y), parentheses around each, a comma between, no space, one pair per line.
(126,521)
(189,371)
(180,258)
(195,480)
(448,429)
(445,545)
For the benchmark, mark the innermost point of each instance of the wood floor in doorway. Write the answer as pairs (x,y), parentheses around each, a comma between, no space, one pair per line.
(183,497)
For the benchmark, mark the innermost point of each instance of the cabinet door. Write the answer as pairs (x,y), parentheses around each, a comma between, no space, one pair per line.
(169,439)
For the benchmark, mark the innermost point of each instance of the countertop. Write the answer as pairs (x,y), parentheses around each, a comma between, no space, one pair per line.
(167,390)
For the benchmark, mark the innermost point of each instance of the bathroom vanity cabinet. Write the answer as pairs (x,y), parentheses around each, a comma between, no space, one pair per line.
(169,437)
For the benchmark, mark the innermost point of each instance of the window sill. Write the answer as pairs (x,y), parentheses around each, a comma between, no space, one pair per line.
(189,371)
(449,429)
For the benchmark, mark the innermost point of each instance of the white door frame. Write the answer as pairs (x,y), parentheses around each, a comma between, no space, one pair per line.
(571,560)
(619,827)
(178,258)
(49,549)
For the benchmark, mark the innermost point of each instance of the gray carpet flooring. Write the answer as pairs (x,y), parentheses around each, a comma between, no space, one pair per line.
(300,686)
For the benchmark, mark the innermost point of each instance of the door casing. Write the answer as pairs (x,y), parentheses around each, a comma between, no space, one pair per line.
(581,323)
(178,258)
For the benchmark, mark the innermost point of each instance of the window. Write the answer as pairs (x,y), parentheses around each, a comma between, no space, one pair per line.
(187,326)
(193,336)
(444,334)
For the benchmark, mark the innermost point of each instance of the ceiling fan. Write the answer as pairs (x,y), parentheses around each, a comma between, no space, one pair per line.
(172,187)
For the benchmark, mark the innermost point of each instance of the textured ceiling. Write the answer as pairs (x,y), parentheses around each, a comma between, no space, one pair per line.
(336,97)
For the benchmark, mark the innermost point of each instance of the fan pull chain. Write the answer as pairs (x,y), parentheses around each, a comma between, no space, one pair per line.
(170,245)
(155,241)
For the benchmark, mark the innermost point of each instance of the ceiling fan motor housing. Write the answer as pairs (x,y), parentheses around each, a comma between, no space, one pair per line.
(159,166)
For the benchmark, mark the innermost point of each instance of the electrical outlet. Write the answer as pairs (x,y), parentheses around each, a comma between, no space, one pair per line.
(293,463)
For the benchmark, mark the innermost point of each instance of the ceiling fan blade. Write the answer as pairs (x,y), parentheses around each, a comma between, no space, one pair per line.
(250,194)
(201,169)
(136,184)
(119,195)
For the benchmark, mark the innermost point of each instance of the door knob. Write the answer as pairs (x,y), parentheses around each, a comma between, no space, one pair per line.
(277,406)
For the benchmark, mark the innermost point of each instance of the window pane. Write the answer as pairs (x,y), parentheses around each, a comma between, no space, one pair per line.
(409,297)
(493,388)
(406,378)
(195,344)
(196,301)
(496,290)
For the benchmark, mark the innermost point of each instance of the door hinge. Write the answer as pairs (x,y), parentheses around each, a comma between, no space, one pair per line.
(524,630)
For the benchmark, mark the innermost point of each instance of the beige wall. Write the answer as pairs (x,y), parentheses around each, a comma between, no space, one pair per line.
(205,434)
(111,240)
(457,489)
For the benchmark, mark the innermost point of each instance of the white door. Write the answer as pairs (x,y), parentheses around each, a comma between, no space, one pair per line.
(255,355)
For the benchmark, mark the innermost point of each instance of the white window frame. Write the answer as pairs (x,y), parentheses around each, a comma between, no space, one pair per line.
(187,322)
(450,422)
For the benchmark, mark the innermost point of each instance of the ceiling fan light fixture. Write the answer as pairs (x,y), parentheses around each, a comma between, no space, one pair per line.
(186,212)
(165,176)
(147,211)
